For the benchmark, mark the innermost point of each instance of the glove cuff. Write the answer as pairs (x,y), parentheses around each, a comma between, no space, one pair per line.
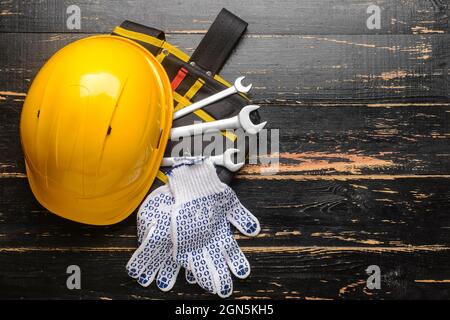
(194,180)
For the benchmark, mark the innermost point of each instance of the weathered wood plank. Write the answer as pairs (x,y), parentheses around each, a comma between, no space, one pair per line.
(364,128)
(300,273)
(317,140)
(264,16)
(289,69)
(360,140)
(367,212)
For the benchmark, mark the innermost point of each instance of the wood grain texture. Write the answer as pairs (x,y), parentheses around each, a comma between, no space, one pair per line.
(364,169)
(305,273)
(297,70)
(264,16)
(327,140)
(400,212)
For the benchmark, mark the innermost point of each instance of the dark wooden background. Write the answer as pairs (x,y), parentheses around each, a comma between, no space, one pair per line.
(364,142)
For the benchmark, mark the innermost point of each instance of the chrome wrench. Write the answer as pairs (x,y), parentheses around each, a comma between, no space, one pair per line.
(224,160)
(237,87)
(242,120)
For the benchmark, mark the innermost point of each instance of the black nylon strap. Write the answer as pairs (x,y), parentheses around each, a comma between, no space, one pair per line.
(216,46)
(133,26)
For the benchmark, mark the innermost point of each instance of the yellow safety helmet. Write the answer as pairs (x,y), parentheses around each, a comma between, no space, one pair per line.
(94,127)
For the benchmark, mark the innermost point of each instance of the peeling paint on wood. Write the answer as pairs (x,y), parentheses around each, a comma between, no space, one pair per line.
(339,177)
(364,146)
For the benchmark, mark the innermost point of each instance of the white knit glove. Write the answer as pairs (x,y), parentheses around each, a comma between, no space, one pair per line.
(154,255)
(201,235)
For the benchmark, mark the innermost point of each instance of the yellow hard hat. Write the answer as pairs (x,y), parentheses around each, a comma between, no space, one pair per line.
(94,127)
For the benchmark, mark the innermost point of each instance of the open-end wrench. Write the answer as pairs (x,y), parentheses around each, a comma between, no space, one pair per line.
(242,120)
(237,87)
(224,160)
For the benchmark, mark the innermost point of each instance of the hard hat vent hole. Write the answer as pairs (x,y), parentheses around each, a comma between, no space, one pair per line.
(159,139)
(38,113)
(109,131)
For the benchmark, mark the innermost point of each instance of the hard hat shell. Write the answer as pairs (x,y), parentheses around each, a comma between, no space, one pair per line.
(94,127)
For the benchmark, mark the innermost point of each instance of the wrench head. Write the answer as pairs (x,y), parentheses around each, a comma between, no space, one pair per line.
(239,87)
(246,123)
(228,160)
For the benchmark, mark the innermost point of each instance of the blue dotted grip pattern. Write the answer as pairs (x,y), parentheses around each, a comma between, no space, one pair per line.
(195,234)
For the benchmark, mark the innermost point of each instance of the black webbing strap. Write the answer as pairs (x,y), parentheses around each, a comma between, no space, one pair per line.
(130,25)
(219,41)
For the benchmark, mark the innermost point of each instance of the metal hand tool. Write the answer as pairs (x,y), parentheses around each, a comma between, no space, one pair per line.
(236,88)
(242,120)
(224,160)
